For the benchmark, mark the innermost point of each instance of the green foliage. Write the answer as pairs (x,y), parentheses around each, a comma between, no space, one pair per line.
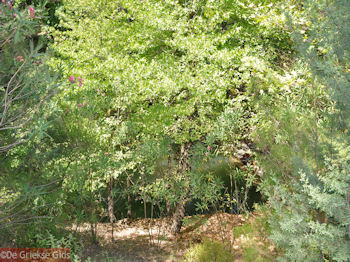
(253,236)
(49,6)
(315,217)
(259,226)
(26,85)
(47,240)
(157,76)
(208,251)
(251,254)
(50,241)
(141,82)
(303,139)
(26,81)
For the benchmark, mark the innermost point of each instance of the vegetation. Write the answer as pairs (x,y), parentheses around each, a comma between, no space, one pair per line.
(163,109)
(208,251)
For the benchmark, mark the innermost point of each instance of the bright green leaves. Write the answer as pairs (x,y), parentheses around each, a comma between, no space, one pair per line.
(154,71)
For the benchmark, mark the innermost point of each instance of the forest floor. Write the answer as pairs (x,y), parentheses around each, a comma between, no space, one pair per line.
(148,239)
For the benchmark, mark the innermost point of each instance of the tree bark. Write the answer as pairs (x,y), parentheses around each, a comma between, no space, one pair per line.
(144,206)
(128,215)
(178,217)
(179,212)
(112,218)
(169,209)
(111,201)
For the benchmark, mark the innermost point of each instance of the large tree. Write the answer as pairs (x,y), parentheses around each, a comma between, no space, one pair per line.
(165,71)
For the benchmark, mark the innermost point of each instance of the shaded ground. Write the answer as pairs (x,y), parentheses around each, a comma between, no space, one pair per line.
(149,240)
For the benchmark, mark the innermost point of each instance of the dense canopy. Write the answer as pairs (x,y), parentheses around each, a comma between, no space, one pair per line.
(178,112)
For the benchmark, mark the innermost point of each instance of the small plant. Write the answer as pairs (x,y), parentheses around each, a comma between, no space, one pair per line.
(48,240)
(208,251)
(259,226)
(253,254)
(245,229)
(252,237)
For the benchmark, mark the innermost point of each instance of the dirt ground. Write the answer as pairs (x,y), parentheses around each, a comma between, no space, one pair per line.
(148,239)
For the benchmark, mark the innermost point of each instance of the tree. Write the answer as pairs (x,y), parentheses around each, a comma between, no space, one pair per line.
(166,72)
(304,139)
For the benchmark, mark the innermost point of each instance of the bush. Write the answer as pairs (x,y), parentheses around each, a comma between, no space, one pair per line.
(26,82)
(48,240)
(208,251)
(312,223)
(26,85)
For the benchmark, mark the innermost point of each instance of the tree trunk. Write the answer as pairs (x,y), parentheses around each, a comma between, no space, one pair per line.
(169,209)
(144,206)
(179,212)
(111,205)
(231,193)
(93,227)
(111,201)
(128,215)
(178,217)
(238,204)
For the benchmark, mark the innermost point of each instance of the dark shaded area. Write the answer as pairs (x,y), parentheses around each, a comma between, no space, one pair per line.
(51,6)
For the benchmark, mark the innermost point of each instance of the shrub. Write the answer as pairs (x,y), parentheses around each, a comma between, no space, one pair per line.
(48,240)
(208,251)
(26,84)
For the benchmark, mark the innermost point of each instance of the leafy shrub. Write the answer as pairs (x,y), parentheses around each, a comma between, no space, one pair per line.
(309,193)
(312,223)
(256,246)
(252,254)
(156,78)
(26,82)
(208,251)
(48,240)
(26,85)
